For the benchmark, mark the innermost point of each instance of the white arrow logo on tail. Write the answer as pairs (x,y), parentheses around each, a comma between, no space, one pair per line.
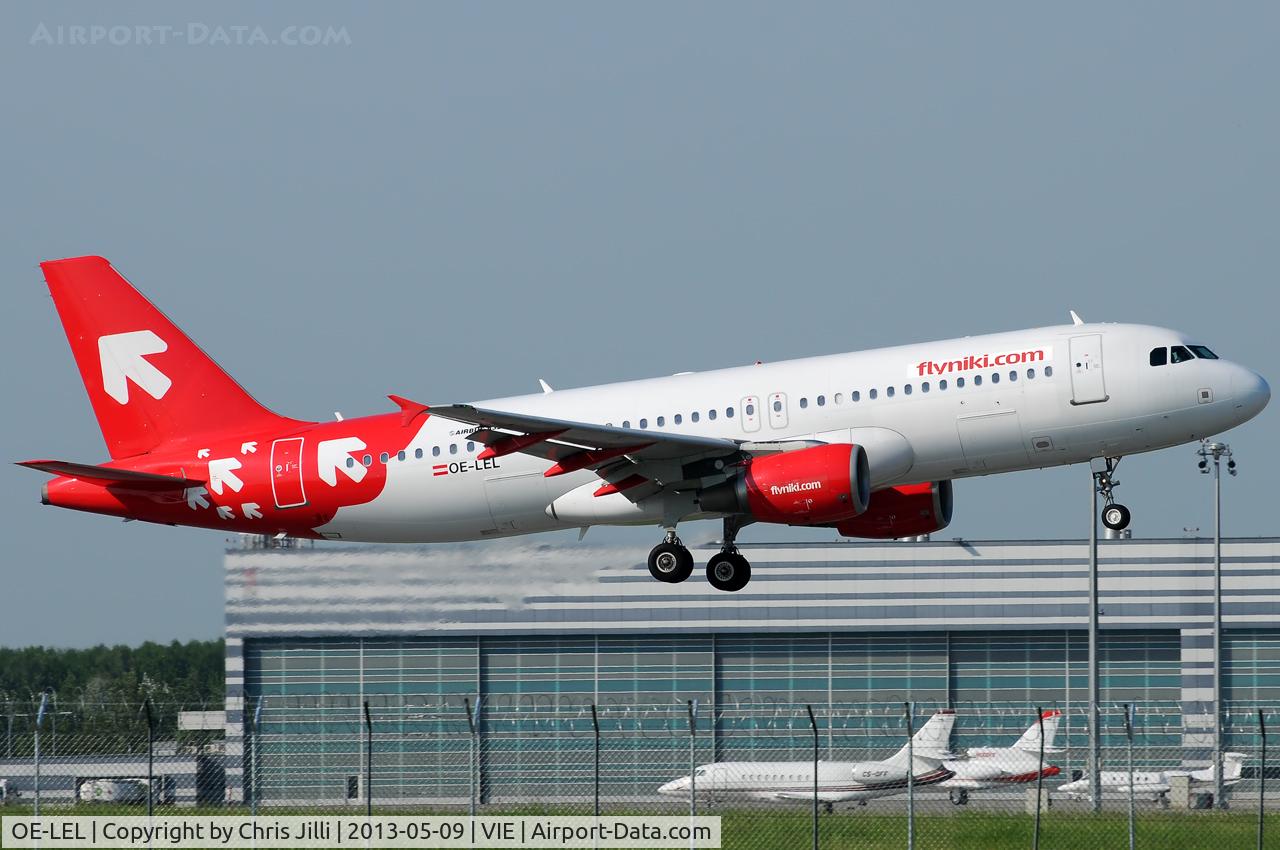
(251,510)
(196,497)
(220,473)
(123,360)
(225,512)
(249,447)
(332,455)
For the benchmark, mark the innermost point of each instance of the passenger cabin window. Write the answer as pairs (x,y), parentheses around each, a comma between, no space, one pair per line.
(711,414)
(417,453)
(1202,352)
(1048,371)
(871,394)
(694,416)
(644,423)
(728,412)
(889,392)
(942,385)
(382,458)
(435,451)
(977,380)
(855,396)
(804,402)
(677,418)
(907,389)
(995,377)
(662,420)
(822,400)
(400,455)
(959,383)
(1159,356)
(1179,354)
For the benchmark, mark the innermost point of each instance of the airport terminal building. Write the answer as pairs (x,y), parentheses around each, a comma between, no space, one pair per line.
(535,634)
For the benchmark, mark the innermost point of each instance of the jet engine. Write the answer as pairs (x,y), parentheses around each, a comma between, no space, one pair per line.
(903,511)
(814,486)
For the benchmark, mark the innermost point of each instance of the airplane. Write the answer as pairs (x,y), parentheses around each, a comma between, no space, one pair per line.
(866,443)
(838,781)
(994,767)
(1156,783)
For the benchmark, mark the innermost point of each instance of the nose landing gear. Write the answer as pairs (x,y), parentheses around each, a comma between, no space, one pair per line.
(1115,516)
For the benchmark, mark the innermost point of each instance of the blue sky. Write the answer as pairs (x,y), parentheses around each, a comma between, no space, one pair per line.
(463,198)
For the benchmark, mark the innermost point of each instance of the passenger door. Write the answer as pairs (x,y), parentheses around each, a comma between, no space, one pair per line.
(1087,384)
(286,473)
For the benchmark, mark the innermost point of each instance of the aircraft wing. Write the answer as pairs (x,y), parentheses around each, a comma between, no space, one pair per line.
(823,796)
(564,437)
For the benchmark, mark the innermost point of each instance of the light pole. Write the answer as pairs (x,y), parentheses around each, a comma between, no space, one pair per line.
(1214,452)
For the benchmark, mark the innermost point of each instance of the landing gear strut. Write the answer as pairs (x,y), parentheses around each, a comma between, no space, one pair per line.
(728,570)
(670,561)
(959,796)
(1115,516)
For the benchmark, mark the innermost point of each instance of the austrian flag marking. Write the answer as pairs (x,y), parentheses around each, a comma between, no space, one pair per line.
(440,469)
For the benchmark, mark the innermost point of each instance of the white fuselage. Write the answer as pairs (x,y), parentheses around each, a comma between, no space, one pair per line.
(924,412)
(838,782)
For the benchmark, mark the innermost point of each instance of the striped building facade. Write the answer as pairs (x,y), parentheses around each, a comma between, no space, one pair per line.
(992,628)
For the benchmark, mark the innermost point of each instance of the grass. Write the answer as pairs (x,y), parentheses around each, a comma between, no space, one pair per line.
(779,828)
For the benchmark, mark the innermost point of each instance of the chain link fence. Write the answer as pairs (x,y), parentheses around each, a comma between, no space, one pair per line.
(779,775)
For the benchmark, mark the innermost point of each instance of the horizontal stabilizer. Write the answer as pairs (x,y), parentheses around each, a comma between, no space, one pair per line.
(110,475)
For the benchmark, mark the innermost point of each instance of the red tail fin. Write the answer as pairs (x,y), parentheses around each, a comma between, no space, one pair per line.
(147,381)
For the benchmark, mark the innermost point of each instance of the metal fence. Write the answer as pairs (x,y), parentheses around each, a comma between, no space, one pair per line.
(885,775)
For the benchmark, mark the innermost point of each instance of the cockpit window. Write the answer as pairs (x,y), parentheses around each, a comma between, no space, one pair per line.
(1159,356)
(1180,354)
(1202,352)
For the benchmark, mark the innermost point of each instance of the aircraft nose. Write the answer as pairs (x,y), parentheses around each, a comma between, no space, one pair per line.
(1250,392)
(673,787)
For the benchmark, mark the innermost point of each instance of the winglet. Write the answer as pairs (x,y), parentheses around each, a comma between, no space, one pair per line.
(546,388)
(409,410)
(1075,318)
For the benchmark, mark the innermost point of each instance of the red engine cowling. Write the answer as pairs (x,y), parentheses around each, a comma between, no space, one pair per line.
(903,511)
(814,486)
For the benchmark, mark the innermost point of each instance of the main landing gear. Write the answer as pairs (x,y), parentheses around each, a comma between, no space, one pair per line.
(672,562)
(959,796)
(1115,516)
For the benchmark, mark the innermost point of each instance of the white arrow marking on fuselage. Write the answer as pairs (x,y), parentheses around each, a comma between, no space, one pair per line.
(123,359)
(251,510)
(249,447)
(220,473)
(331,455)
(196,497)
(202,454)
(225,512)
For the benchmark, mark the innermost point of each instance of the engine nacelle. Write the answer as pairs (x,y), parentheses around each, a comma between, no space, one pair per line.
(903,511)
(813,486)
